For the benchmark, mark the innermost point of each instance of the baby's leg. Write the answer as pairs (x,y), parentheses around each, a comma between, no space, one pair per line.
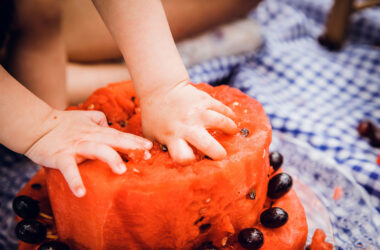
(88,40)
(36,56)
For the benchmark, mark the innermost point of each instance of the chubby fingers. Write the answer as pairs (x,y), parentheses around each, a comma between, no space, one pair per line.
(180,151)
(97,116)
(121,141)
(216,120)
(221,108)
(70,172)
(104,153)
(202,140)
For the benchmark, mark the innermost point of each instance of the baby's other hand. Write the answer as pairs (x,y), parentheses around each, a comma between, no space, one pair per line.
(80,135)
(182,115)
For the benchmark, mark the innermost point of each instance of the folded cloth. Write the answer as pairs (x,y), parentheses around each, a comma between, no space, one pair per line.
(313,94)
(241,36)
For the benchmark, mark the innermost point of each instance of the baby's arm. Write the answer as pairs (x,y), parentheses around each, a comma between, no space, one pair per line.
(59,139)
(173,111)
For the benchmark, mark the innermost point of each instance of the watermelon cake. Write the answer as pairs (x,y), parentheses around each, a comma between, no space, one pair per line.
(241,202)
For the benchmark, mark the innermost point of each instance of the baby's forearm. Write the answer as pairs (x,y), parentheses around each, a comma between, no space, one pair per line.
(23,116)
(144,38)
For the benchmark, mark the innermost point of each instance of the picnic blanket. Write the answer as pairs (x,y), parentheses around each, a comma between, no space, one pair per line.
(308,92)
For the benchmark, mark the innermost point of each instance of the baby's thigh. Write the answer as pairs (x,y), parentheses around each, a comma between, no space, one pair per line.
(86,37)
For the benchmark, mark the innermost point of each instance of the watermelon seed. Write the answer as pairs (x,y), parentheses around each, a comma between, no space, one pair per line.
(36,186)
(124,157)
(204,227)
(208,157)
(109,123)
(164,148)
(252,194)
(122,124)
(199,220)
(208,200)
(133,98)
(244,132)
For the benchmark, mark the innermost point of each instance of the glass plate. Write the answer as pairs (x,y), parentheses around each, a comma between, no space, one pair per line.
(350,222)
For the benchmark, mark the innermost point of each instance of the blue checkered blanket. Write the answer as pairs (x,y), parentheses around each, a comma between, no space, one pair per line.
(313,94)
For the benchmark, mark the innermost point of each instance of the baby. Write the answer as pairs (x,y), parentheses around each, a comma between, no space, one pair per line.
(174,112)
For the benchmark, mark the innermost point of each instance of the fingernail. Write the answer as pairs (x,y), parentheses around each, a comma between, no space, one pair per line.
(148,144)
(121,168)
(80,192)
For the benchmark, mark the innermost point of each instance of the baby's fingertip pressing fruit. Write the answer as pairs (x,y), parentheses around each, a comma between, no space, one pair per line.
(148,145)
(121,168)
(80,192)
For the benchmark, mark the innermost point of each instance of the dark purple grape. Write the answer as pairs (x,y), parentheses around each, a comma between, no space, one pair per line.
(366,128)
(54,245)
(164,148)
(251,194)
(274,217)
(207,246)
(30,231)
(251,238)
(374,138)
(26,207)
(279,185)
(275,159)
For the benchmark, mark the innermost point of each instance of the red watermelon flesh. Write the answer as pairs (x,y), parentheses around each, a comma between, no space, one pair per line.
(160,204)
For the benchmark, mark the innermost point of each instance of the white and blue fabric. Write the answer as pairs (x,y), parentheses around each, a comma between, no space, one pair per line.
(313,94)
(308,93)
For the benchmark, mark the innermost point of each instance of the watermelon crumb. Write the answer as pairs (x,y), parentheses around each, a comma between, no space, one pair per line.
(318,242)
(378,160)
(338,193)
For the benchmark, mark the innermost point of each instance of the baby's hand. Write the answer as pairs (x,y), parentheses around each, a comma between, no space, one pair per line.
(181,115)
(80,135)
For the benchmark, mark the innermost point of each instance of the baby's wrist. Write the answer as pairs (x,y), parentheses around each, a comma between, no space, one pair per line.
(49,121)
(160,89)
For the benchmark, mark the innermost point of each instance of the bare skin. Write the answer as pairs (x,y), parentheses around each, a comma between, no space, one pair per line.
(59,139)
(92,50)
(173,111)
(87,38)
(37,56)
